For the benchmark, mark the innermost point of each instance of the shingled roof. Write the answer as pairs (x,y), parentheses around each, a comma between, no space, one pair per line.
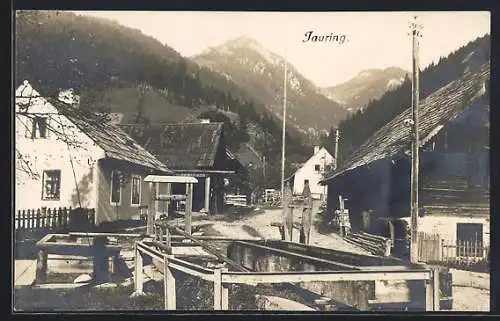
(180,146)
(437,109)
(114,141)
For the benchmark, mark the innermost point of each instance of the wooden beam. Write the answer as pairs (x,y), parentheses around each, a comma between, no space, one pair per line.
(172,197)
(210,249)
(326,276)
(436,289)
(429,295)
(189,208)
(224,292)
(298,255)
(307,213)
(139,273)
(287,213)
(217,289)
(169,286)
(219,238)
(151,209)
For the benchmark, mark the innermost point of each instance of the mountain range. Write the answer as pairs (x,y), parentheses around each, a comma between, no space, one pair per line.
(366,86)
(261,73)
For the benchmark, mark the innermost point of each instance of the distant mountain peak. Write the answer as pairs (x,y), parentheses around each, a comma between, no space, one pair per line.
(245,43)
(368,84)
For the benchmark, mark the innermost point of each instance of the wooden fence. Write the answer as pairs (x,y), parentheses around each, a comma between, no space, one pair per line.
(432,248)
(469,250)
(236,200)
(47,218)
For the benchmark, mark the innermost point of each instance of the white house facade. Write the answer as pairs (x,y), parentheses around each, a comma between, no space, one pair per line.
(312,171)
(67,159)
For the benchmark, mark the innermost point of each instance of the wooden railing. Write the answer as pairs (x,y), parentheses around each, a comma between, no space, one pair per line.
(471,250)
(46,218)
(432,248)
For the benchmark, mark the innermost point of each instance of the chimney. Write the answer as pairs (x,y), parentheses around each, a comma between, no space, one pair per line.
(316,149)
(205,121)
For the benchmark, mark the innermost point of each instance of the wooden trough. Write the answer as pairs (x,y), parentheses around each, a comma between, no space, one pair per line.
(66,247)
(230,271)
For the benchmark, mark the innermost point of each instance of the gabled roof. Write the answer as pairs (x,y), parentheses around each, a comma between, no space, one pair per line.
(438,108)
(305,163)
(114,141)
(180,146)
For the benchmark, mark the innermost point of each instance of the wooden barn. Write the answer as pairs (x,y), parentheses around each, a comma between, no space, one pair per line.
(454,167)
(191,149)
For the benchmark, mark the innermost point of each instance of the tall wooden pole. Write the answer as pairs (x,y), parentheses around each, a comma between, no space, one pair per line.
(285,82)
(337,136)
(415,33)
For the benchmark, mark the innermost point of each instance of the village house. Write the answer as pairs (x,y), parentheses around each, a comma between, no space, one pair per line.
(312,171)
(68,157)
(454,169)
(191,149)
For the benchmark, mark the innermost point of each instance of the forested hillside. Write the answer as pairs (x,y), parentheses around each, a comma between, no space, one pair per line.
(361,125)
(97,57)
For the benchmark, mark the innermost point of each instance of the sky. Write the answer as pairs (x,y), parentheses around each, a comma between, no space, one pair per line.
(374,39)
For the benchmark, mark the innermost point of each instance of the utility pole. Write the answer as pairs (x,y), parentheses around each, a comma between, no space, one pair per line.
(336,152)
(415,33)
(284,126)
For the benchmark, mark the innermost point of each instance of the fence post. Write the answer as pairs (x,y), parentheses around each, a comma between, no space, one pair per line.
(169,286)
(287,213)
(41,266)
(217,289)
(189,208)
(429,293)
(39,216)
(139,275)
(442,250)
(436,289)
(225,293)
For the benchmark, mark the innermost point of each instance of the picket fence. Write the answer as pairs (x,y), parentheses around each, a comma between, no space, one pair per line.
(47,218)
(432,248)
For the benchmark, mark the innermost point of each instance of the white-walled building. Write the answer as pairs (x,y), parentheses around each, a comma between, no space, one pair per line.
(312,171)
(67,157)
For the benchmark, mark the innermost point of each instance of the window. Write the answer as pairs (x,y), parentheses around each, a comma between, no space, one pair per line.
(317,168)
(328,168)
(469,236)
(135,197)
(306,182)
(37,127)
(116,189)
(51,189)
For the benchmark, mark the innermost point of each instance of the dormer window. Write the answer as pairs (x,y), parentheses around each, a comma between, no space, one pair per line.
(37,127)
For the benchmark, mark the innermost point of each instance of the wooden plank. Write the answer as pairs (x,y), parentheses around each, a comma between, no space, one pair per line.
(287,213)
(151,209)
(189,208)
(206,247)
(139,273)
(328,276)
(170,179)
(172,197)
(169,286)
(224,293)
(436,297)
(298,255)
(217,289)
(306,214)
